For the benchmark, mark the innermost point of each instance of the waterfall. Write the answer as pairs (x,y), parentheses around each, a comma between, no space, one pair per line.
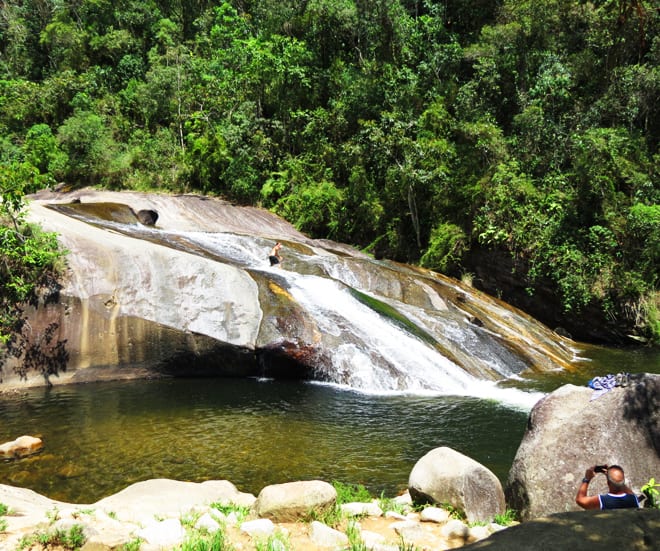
(385,328)
(379,356)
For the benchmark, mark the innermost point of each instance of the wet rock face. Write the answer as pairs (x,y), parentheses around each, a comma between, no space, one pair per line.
(196,295)
(496,273)
(567,432)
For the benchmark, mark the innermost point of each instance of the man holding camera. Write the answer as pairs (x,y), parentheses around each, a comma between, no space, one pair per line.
(619,496)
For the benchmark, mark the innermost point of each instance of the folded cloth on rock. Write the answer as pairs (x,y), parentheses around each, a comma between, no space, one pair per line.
(602,385)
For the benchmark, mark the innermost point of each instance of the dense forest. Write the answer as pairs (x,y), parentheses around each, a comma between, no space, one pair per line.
(513,142)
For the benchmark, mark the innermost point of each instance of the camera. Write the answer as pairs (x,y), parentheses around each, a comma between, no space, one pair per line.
(600,469)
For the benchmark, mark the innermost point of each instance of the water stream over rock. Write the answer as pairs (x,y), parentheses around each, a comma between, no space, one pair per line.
(195,295)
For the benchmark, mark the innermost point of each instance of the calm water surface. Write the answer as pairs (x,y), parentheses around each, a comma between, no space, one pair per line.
(101,437)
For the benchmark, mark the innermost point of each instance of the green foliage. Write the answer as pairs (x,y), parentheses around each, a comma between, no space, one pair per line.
(652,492)
(206,542)
(447,245)
(133,545)
(350,493)
(28,270)
(71,539)
(420,131)
(275,542)
(241,511)
(507,518)
(355,542)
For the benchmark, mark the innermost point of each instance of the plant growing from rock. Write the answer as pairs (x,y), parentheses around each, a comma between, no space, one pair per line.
(507,518)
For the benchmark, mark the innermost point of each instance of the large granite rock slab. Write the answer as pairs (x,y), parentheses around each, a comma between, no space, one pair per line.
(568,431)
(194,295)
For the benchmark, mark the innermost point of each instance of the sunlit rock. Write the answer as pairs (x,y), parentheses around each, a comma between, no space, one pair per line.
(23,446)
(195,295)
(568,431)
(445,476)
(293,501)
(326,537)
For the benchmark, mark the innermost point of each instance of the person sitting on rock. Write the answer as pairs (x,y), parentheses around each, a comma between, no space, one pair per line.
(620,496)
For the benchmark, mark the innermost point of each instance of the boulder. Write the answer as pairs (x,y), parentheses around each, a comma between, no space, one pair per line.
(567,432)
(23,446)
(326,537)
(294,501)
(633,529)
(196,297)
(170,498)
(445,476)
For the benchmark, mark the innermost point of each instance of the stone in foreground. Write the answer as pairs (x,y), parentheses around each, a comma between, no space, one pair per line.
(294,501)
(446,476)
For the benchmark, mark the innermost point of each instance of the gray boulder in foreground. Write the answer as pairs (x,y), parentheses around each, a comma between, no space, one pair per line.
(446,476)
(294,501)
(624,529)
(567,432)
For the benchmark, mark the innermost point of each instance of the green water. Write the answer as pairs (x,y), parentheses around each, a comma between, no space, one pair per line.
(101,437)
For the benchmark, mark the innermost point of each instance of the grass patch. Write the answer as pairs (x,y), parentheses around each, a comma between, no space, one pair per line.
(199,541)
(509,517)
(241,512)
(354,535)
(71,539)
(275,542)
(350,493)
(133,545)
(390,504)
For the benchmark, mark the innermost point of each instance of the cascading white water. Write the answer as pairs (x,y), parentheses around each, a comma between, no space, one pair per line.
(380,356)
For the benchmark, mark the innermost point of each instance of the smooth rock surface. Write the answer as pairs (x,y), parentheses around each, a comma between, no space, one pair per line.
(623,529)
(445,476)
(293,501)
(567,432)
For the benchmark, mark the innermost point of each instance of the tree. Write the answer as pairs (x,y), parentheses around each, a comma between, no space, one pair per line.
(29,277)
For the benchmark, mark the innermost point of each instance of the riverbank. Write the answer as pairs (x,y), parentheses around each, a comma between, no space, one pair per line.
(166,514)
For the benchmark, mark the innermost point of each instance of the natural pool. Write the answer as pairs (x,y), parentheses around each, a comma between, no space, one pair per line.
(101,437)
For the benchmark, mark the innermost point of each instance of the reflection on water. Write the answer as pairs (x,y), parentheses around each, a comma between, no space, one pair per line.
(101,437)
